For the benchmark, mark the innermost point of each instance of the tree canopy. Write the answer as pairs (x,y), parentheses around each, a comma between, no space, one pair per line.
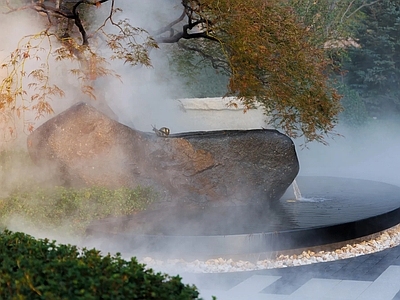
(374,66)
(268,49)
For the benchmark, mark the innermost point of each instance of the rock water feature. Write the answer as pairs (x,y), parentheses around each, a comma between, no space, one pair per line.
(198,169)
(222,193)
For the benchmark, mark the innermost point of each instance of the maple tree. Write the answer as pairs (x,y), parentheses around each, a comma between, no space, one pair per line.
(272,62)
(263,46)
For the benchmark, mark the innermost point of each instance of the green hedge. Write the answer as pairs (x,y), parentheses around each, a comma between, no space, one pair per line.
(42,269)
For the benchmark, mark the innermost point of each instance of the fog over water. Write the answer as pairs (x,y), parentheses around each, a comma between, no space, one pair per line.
(370,152)
(146,96)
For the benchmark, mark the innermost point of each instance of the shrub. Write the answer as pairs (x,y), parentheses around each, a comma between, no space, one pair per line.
(69,208)
(40,269)
(38,203)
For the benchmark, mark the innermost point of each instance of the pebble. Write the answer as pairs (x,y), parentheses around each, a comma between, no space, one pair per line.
(383,240)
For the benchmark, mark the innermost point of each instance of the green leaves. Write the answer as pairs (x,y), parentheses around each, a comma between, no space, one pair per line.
(374,66)
(40,269)
(72,209)
(38,202)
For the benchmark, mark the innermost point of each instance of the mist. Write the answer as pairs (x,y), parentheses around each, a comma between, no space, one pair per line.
(369,152)
(146,97)
(143,96)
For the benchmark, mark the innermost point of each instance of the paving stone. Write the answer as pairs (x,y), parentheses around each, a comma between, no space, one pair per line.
(286,285)
(397,296)
(360,278)
(316,288)
(385,287)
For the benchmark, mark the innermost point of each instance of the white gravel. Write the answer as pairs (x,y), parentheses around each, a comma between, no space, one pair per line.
(374,243)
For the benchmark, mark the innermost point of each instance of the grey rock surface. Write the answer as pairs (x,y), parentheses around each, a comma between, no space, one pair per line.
(198,168)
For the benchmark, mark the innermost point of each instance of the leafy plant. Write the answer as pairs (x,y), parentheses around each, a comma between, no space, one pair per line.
(71,209)
(42,269)
(40,204)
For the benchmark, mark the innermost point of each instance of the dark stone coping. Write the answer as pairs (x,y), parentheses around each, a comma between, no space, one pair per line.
(219,133)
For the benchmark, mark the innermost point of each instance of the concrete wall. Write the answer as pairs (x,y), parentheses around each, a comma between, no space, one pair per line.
(216,114)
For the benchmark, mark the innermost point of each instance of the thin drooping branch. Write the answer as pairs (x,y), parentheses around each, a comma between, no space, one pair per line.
(217,63)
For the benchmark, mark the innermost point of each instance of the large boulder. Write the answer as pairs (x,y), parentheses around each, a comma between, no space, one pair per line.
(216,168)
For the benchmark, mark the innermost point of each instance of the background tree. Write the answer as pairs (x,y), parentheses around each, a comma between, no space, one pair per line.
(332,21)
(269,54)
(335,24)
(374,67)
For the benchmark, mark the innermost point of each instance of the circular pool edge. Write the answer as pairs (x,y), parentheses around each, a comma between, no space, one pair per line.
(208,246)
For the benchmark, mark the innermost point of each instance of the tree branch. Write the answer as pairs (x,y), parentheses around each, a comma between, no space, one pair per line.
(356,10)
(78,21)
(184,34)
(41,8)
(170,25)
(217,63)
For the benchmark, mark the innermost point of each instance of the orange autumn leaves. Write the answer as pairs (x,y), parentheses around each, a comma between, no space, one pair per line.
(274,63)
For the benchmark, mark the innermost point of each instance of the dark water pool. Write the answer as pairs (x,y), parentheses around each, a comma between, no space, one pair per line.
(331,210)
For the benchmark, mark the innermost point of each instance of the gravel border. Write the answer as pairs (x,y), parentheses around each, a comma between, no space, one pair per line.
(370,244)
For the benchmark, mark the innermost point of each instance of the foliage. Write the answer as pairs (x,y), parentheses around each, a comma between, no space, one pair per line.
(261,44)
(354,111)
(271,61)
(27,88)
(38,203)
(12,87)
(40,269)
(71,209)
(374,67)
(333,22)
(276,53)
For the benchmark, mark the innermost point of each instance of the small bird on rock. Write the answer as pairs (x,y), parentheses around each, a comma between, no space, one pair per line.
(162,132)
